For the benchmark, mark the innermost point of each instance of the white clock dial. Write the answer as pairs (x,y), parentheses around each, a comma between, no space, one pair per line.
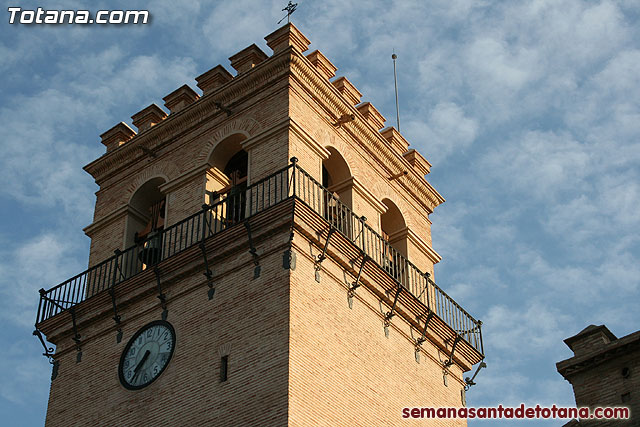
(146,355)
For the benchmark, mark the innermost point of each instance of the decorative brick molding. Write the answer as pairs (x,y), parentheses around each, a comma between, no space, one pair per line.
(207,110)
(247,126)
(286,36)
(247,58)
(117,135)
(371,115)
(395,139)
(148,117)
(322,64)
(180,98)
(419,163)
(348,90)
(424,194)
(212,79)
(101,223)
(165,170)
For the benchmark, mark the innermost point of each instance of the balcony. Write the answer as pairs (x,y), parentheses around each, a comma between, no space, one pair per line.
(290,183)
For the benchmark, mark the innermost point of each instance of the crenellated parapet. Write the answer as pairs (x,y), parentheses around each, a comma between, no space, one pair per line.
(214,78)
(180,98)
(148,117)
(117,135)
(247,58)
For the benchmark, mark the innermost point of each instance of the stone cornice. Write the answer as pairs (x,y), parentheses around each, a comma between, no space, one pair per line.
(117,214)
(304,136)
(362,191)
(194,114)
(423,246)
(621,346)
(412,237)
(370,139)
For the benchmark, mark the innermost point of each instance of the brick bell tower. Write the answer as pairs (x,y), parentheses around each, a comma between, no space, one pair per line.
(260,255)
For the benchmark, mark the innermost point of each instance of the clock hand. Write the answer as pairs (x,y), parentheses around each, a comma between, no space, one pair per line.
(144,359)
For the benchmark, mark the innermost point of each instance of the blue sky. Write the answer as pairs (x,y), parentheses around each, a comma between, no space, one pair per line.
(528,111)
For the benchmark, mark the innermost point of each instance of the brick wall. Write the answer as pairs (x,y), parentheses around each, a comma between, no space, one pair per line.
(247,319)
(344,370)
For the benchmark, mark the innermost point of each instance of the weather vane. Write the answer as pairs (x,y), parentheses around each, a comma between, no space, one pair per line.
(290,8)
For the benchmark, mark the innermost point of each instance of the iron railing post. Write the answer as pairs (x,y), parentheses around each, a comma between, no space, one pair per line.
(39,315)
(204,221)
(426,290)
(294,166)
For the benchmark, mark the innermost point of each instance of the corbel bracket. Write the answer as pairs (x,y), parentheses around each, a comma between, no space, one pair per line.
(112,294)
(48,351)
(253,252)
(362,219)
(207,272)
(356,284)
(453,349)
(323,255)
(390,314)
(117,268)
(423,336)
(289,257)
(161,296)
(76,335)
(468,382)
(425,290)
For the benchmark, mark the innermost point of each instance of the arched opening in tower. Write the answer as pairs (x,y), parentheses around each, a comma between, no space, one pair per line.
(227,180)
(337,179)
(145,222)
(394,233)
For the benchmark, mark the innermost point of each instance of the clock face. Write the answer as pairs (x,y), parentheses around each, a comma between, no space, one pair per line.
(147,354)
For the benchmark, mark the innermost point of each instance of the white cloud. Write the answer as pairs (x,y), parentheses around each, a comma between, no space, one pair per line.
(247,26)
(541,164)
(29,376)
(40,132)
(444,131)
(38,263)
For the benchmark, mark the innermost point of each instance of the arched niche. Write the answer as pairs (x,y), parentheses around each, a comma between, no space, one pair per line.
(336,176)
(394,227)
(229,167)
(337,179)
(227,179)
(146,211)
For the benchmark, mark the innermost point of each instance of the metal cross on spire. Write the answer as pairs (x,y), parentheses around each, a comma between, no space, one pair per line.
(290,8)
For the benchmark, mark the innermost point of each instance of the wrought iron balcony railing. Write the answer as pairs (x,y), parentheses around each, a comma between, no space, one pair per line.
(289,182)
